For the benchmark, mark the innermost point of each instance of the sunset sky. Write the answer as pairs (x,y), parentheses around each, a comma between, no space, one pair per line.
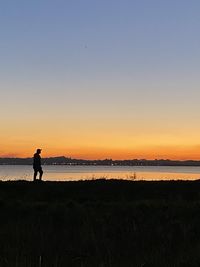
(100,78)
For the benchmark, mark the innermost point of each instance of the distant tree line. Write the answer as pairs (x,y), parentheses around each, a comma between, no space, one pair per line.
(105,162)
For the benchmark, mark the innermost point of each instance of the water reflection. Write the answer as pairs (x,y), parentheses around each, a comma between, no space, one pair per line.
(62,173)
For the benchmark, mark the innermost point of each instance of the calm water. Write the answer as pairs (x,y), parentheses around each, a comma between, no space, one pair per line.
(62,173)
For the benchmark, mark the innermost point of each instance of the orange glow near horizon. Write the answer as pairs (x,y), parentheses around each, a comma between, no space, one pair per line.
(173,153)
(100,139)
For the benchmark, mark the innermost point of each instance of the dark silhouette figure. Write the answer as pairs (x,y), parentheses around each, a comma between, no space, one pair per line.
(37,165)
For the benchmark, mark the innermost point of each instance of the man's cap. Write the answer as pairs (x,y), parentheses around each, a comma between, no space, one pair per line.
(39,150)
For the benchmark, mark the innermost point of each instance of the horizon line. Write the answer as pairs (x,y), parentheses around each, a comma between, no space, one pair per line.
(68,157)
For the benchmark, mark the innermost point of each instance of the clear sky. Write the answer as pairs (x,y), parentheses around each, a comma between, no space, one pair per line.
(100,78)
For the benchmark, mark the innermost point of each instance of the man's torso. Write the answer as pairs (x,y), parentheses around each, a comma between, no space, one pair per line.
(36,161)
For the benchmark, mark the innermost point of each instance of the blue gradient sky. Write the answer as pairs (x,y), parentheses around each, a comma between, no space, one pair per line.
(99,79)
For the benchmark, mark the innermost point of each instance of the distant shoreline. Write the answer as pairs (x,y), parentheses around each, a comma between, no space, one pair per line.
(104,162)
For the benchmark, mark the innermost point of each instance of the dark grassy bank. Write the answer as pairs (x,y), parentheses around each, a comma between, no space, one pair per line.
(100,223)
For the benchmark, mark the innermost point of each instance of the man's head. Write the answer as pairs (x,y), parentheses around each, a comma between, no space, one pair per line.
(39,150)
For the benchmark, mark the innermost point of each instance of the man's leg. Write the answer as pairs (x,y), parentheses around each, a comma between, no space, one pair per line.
(35,175)
(41,173)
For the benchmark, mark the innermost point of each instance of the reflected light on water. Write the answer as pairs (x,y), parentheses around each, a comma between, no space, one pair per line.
(72,173)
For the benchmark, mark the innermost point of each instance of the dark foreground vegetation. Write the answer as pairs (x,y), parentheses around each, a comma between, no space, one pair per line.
(100,224)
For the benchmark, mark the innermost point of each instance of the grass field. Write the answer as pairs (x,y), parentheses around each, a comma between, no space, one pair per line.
(100,223)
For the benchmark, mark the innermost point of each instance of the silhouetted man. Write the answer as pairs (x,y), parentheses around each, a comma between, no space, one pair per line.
(37,165)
